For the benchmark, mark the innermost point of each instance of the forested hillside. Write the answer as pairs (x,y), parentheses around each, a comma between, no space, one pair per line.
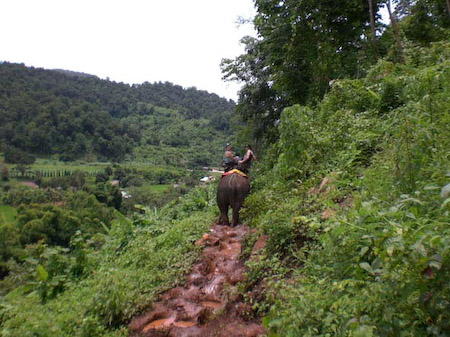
(353,193)
(302,46)
(358,244)
(78,116)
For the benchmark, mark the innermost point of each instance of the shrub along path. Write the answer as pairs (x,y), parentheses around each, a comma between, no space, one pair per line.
(205,306)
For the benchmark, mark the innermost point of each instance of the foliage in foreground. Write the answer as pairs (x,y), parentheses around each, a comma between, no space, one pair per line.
(368,255)
(93,292)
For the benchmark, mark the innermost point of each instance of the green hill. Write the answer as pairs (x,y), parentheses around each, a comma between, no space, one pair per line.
(54,112)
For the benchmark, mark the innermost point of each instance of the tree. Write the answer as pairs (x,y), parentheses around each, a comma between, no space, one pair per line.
(259,104)
(9,245)
(49,112)
(23,160)
(372,28)
(4,173)
(396,31)
(301,46)
(423,21)
(78,179)
(108,171)
(101,177)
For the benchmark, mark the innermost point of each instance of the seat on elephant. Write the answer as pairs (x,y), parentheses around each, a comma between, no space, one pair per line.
(234,171)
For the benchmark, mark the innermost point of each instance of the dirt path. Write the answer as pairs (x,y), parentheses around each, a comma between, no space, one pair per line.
(200,308)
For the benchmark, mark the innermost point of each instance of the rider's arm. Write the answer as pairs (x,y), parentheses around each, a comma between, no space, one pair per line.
(247,157)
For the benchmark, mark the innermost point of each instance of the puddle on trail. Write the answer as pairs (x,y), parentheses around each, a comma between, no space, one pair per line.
(159,324)
(189,310)
(182,324)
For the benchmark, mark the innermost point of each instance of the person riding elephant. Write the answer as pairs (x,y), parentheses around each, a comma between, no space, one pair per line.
(246,162)
(237,158)
(228,159)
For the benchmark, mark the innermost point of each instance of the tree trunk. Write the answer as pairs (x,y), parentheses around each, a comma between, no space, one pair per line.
(448,7)
(396,32)
(372,28)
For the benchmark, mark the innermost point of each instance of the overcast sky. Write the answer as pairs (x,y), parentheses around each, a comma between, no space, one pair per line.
(130,41)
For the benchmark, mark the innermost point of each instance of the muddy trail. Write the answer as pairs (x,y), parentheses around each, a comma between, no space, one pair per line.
(203,305)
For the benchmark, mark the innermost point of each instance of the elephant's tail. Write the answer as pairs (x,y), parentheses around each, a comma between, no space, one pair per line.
(230,181)
(234,190)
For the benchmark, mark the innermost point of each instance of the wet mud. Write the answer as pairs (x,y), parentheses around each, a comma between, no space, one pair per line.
(204,306)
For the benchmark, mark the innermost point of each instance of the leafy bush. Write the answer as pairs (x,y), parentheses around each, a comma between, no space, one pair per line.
(17,196)
(138,260)
(368,254)
(4,173)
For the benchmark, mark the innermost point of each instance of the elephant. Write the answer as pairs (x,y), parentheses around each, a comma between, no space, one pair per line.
(232,190)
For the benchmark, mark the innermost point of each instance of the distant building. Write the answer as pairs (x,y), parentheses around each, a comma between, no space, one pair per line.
(125,195)
(207,179)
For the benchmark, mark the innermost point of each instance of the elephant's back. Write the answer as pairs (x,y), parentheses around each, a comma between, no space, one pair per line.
(233,182)
(223,181)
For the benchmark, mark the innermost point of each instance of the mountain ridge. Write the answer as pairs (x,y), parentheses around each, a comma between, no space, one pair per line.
(60,112)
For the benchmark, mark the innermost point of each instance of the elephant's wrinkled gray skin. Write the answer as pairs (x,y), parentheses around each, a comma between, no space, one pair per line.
(231,191)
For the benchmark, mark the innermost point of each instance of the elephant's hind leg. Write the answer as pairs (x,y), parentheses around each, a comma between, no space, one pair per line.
(236,207)
(223,219)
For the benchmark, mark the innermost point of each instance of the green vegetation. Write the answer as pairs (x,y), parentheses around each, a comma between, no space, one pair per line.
(366,254)
(64,201)
(100,288)
(7,214)
(159,188)
(352,191)
(48,112)
(50,164)
(302,46)
(50,168)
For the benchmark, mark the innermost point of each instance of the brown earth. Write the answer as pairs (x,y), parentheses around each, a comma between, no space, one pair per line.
(205,306)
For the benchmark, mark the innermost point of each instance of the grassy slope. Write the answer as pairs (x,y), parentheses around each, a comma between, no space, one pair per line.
(378,263)
(53,164)
(159,188)
(7,214)
(139,260)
